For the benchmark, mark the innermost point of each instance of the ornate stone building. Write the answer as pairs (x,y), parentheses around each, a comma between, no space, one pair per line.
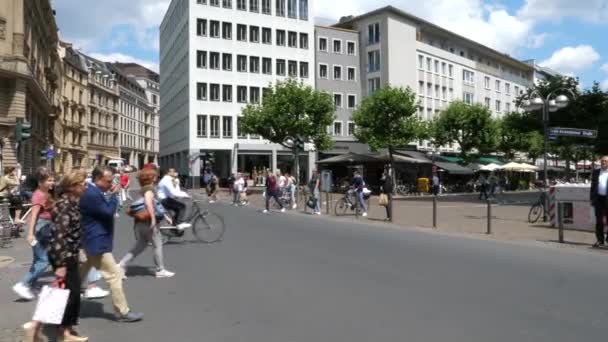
(30,71)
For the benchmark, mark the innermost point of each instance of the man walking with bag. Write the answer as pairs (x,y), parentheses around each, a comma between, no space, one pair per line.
(98,235)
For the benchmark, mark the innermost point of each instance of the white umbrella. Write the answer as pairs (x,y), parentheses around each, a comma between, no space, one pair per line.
(490,167)
(512,166)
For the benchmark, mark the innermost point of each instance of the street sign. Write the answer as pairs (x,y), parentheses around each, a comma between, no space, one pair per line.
(573,132)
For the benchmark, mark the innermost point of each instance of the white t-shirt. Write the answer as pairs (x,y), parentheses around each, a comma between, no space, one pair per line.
(282,181)
(602,186)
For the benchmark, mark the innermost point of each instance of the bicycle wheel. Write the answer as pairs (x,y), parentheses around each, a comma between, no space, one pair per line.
(341,207)
(535,212)
(208,228)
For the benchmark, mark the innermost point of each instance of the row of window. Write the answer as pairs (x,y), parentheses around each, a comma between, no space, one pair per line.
(338,132)
(252,34)
(337,46)
(497,86)
(469,98)
(440,92)
(215,92)
(351,101)
(252,64)
(208,126)
(266,7)
(351,72)
(436,66)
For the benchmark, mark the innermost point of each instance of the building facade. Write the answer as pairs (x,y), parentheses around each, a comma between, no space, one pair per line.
(216,57)
(138,136)
(542,74)
(30,71)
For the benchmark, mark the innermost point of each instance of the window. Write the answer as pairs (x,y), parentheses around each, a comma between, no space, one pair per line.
(214,60)
(292,40)
(516,91)
(227,127)
(266,7)
(292,68)
(227,30)
(201,126)
(436,67)
(351,129)
(429,90)
(436,91)
(292,8)
(201,91)
(508,88)
(337,72)
(201,27)
(241,63)
(443,65)
(254,5)
(241,32)
(373,84)
(241,94)
(280,37)
(373,61)
(444,93)
(280,4)
(214,29)
(215,126)
(487,82)
(429,64)
(214,92)
(338,100)
(254,34)
(323,44)
(350,48)
(281,67)
(267,66)
(227,61)
(487,102)
(351,74)
(241,5)
(498,106)
(254,94)
(254,65)
(337,128)
(420,62)
(227,93)
(337,46)
(497,86)
(304,9)
(421,88)
(352,101)
(468,98)
(322,70)
(201,59)
(239,129)
(451,71)
(201,2)
(373,33)
(468,77)
(507,107)
(265,92)
(227,3)
(214,3)
(303,40)
(266,35)
(304,69)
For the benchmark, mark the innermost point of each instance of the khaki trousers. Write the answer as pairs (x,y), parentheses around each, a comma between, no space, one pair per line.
(106,265)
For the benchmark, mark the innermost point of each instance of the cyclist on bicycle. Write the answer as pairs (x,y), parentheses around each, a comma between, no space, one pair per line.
(169,196)
(358,184)
(9,190)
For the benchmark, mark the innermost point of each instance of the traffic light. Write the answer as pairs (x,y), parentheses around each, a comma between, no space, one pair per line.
(299,143)
(23,131)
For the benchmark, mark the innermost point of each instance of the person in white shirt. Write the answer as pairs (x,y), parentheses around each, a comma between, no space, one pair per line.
(599,199)
(169,195)
(237,187)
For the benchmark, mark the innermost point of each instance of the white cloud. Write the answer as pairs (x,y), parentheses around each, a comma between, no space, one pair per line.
(571,59)
(587,10)
(604,67)
(604,85)
(122,58)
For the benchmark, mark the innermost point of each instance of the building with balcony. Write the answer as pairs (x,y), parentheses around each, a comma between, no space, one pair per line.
(215,58)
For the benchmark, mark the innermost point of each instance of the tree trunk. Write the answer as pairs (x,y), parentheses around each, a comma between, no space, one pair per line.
(296,167)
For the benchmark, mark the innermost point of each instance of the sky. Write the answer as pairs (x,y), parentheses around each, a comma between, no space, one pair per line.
(565,35)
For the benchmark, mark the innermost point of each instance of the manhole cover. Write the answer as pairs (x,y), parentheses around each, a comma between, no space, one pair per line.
(5,261)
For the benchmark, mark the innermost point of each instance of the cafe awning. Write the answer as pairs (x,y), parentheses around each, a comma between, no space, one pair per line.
(454,169)
(450,159)
(489,160)
(349,158)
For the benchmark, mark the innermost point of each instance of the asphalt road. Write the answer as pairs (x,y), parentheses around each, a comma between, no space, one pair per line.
(293,277)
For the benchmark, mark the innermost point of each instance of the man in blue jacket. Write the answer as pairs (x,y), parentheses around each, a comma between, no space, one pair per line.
(97,222)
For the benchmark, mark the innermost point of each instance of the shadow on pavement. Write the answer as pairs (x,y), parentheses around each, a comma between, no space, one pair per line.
(93,309)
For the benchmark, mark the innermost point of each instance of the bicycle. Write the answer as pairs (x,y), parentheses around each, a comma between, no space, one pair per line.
(15,229)
(538,208)
(348,201)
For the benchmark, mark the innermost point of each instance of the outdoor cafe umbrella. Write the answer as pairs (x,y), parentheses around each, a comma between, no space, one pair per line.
(490,167)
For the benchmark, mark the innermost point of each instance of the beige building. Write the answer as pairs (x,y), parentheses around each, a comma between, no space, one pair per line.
(30,71)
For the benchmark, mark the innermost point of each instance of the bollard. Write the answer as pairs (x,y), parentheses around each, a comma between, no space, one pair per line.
(560,218)
(489,231)
(327,202)
(434,211)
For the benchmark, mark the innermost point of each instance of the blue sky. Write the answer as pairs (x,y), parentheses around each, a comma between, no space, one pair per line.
(566,35)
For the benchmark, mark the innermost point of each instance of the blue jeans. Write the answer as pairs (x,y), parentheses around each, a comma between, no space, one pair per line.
(361,201)
(40,260)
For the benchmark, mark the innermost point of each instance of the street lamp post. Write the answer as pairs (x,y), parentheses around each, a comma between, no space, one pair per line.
(548,104)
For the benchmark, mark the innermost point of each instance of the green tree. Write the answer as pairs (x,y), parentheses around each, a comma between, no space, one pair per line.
(290,111)
(470,126)
(387,119)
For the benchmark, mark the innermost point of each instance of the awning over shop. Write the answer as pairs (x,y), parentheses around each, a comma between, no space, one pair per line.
(454,169)
(450,159)
(398,158)
(349,158)
(415,154)
(489,160)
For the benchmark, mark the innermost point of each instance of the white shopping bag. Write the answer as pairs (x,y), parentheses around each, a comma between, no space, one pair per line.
(51,305)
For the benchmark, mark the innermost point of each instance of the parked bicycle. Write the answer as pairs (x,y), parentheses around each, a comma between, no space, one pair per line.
(346,203)
(538,208)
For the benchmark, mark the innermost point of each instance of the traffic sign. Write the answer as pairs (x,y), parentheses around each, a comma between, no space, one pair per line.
(573,132)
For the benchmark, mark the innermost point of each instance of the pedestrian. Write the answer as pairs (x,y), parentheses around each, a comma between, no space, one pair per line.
(387,188)
(39,232)
(213,188)
(358,183)
(147,230)
(482,183)
(290,186)
(243,195)
(436,185)
(9,190)
(98,235)
(599,199)
(125,183)
(63,248)
(315,189)
(231,181)
(492,184)
(237,188)
(272,191)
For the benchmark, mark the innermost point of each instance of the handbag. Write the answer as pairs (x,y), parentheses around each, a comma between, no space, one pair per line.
(51,304)
(383,200)
(138,211)
(312,202)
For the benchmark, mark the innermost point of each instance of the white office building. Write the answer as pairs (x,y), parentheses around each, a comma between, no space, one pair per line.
(216,56)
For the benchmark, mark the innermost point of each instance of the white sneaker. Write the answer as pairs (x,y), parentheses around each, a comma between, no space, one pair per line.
(318,213)
(211,201)
(95,293)
(265,211)
(183,226)
(164,274)
(23,291)
(117,215)
(364,215)
(295,206)
(283,210)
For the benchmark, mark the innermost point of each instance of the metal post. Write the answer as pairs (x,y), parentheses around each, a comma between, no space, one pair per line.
(327,203)
(560,221)
(545,147)
(489,231)
(434,211)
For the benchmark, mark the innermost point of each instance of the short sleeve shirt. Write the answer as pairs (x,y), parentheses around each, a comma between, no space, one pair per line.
(41,199)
